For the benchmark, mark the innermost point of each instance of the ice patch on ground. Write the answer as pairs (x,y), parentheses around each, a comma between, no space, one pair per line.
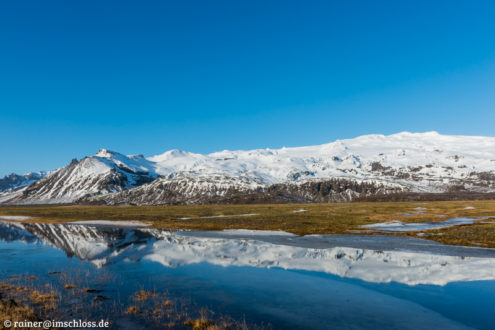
(412,213)
(220,216)
(15,217)
(469,208)
(249,232)
(400,226)
(111,223)
(300,211)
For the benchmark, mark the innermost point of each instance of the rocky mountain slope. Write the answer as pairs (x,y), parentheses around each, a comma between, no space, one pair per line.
(103,173)
(14,181)
(364,167)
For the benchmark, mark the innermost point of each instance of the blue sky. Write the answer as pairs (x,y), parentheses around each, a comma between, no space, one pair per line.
(148,76)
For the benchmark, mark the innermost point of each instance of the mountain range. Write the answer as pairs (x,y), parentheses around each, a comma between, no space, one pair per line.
(369,167)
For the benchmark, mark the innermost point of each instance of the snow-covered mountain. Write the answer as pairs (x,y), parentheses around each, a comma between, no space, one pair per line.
(103,173)
(14,181)
(13,184)
(366,166)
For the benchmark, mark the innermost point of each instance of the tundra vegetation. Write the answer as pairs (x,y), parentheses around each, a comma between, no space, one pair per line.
(301,219)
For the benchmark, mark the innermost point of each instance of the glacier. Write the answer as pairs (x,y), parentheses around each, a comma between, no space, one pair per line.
(338,171)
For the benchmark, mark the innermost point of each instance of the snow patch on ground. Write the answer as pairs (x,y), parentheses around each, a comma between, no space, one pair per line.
(220,216)
(249,232)
(300,211)
(111,223)
(400,226)
(469,208)
(15,217)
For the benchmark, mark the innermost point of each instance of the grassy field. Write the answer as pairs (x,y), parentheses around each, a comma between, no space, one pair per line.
(341,218)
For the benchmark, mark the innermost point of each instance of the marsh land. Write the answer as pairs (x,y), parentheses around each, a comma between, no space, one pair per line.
(300,219)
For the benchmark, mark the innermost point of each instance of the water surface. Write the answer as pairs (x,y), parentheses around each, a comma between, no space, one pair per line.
(284,281)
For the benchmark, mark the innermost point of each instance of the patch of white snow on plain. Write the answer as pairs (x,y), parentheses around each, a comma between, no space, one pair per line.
(15,217)
(220,216)
(469,208)
(400,226)
(111,223)
(249,232)
(300,211)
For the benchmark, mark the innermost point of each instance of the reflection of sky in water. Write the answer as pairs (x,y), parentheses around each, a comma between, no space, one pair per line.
(287,298)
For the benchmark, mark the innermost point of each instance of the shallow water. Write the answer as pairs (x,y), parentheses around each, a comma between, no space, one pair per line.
(399,226)
(320,281)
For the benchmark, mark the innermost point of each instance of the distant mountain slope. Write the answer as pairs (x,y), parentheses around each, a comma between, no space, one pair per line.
(337,171)
(103,173)
(14,181)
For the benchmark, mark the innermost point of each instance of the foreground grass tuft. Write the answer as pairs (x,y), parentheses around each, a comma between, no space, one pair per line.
(10,310)
(38,297)
(133,310)
(143,295)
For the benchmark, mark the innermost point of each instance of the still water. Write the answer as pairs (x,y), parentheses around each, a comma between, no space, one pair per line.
(269,279)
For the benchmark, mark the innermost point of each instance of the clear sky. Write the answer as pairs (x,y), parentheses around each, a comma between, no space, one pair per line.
(149,76)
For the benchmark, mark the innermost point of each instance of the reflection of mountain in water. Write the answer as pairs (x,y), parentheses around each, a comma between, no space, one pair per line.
(104,245)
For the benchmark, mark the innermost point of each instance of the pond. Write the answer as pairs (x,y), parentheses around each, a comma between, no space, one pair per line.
(261,279)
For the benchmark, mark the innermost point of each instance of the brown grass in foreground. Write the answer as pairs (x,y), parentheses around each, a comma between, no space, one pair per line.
(331,218)
(38,297)
(143,295)
(11,310)
(23,300)
(133,310)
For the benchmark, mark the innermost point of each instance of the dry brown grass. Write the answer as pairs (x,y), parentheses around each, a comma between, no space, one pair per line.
(202,323)
(331,218)
(6,287)
(133,310)
(158,309)
(38,297)
(143,295)
(10,310)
